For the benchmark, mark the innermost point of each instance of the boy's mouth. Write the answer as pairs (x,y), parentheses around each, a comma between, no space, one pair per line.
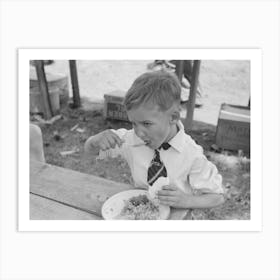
(147,142)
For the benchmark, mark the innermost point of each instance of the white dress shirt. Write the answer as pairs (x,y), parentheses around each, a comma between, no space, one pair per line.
(186,165)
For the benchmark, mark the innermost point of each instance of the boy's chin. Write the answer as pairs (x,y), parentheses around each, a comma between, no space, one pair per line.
(154,147)
(151,145)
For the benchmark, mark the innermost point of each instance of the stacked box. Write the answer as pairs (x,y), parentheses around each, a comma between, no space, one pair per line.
(113,106)
(233,130)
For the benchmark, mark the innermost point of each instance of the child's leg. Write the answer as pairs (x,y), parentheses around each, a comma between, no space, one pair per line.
(36,143)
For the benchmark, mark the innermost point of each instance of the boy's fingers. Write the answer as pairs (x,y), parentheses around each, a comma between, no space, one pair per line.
(165,193)
(112,141)
(118,140)
(103,146)
(166,203)
(166,200)
(169,187)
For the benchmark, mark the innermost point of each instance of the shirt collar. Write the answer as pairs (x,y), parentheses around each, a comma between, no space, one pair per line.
(177,142)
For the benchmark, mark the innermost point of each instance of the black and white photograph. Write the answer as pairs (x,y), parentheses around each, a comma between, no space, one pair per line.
(128,139)
(139,140)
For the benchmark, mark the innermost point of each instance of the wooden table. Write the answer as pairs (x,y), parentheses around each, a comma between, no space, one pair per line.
(57,193)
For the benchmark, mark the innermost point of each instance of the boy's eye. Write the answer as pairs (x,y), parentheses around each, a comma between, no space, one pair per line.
(146,124)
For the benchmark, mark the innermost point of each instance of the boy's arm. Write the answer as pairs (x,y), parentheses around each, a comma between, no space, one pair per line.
(206,182)
(204,177)
(105,140)
(175,197)
(204,200)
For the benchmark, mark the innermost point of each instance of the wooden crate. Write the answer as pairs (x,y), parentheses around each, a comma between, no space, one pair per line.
(113,106)
(233,130)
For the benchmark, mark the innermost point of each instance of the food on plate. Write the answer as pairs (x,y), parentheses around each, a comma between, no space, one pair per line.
(140,208)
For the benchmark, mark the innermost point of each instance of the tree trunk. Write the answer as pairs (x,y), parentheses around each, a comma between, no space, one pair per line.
(179,69)
(191,102)
(75,84)
(43,86)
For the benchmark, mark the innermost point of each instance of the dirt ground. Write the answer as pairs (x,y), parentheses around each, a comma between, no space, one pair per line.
(222,82)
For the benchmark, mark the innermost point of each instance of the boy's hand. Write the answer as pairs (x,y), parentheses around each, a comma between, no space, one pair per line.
(173,196)
(103,141)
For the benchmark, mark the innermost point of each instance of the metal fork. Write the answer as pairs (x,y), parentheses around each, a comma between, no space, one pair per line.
(107,153)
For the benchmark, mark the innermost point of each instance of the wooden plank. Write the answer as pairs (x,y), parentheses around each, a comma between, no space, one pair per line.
(71,187)
(75,84)
(46,209)
(43,85)
(192,96)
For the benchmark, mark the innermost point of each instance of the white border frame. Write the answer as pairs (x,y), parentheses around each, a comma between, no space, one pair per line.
(254,55)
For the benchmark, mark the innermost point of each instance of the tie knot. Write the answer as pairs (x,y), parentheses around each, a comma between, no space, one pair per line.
(165,146)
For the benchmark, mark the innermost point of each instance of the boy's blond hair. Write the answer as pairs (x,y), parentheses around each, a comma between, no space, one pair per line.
(160,88)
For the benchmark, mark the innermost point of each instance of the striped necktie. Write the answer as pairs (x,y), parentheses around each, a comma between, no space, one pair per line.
(157,168)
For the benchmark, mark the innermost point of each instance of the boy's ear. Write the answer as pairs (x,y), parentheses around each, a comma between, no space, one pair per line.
(175,116)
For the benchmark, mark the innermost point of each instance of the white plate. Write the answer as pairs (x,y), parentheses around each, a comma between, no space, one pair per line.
(114,205)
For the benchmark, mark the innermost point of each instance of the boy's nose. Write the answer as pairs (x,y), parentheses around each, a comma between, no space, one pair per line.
(139,132)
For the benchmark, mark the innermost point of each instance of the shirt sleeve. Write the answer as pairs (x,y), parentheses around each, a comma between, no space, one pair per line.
(204,176)
(120,132)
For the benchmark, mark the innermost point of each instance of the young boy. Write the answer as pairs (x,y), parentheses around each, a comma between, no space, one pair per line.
(158,146)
